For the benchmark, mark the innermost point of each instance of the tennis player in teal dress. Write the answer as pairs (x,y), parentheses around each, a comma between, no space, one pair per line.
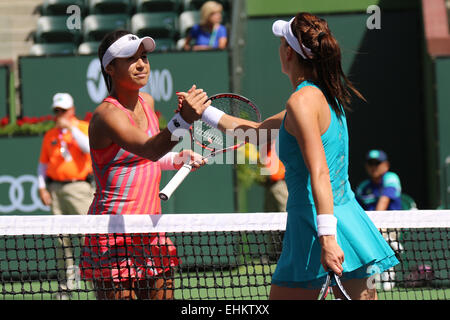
(326,227)
(365,250)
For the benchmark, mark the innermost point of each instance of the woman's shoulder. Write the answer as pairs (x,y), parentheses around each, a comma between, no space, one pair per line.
(148,99)
(305,95)
(106,111)
(105,106)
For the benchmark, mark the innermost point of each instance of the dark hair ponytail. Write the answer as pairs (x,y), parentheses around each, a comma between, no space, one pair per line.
(107,41)
(314,33)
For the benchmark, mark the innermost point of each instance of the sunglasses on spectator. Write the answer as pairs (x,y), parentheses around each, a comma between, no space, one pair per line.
(59,110)
(373,162)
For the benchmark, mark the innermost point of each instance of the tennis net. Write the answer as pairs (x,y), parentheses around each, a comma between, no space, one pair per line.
(196,256)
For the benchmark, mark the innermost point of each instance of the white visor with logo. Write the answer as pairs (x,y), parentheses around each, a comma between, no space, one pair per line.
(126,46)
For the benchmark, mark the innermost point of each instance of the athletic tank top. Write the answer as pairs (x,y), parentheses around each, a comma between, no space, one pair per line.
(335,144)
(126,183)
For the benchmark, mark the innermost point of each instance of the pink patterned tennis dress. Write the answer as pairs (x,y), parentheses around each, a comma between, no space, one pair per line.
(126,184)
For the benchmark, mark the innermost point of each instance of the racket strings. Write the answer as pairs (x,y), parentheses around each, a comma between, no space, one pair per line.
(215,139)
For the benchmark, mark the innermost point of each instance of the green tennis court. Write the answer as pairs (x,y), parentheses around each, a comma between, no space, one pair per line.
(208,286)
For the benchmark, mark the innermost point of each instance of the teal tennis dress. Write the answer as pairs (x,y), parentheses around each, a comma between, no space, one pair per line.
(365,250)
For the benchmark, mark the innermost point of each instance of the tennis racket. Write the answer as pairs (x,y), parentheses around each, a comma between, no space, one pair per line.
(326,286)
(213,140)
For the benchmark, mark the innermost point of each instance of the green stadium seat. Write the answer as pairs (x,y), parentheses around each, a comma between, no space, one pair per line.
(165,44)
(187,20)
(43,49)
(157,5)
(88,47)
(54,29)
(95,27)
(109,6)
(157,24)
(408,202)
(59,7)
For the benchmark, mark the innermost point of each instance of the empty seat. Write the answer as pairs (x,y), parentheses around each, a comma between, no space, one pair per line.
(109,6)
(42,49)
(157,5)
(165,44)
(88,47)
(95,27)
(59,7)
(157,24)
(54,29)
(187,20)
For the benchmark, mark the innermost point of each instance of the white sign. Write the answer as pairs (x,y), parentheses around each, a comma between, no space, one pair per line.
(160,84)
(16,194)
(95,83)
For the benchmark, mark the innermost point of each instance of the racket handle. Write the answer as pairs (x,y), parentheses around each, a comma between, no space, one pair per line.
(173,184)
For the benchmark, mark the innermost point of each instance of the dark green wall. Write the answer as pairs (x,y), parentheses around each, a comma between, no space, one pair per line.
(290,7)
(442,72)
(4,89)
(385,65)
(431,128)
(170,72)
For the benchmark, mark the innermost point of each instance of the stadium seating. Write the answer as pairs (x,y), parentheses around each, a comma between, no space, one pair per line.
(408,202)
(165,44)
(187,20)
(157,5)
(90,47)
(42,49)
(59,7)
(95,27)
(164,20)
(109,6)
(156,24)
(54,29)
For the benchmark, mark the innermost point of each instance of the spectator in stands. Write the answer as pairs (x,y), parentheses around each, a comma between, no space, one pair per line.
(382,191)
(209,33)
(65,169)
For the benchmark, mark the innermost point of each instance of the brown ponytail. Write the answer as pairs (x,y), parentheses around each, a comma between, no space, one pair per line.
(314,33)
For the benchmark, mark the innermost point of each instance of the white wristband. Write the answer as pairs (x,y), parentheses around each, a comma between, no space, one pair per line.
(212,116)
(178,126)
(326,225)
(167,162)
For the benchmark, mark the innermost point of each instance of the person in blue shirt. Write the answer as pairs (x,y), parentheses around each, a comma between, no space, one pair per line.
(382,191)
(209,33)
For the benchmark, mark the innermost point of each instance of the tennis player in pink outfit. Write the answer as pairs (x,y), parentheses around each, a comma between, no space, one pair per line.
(128,153)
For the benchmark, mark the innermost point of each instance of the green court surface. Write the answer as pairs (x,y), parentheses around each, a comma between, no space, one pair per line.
(244,283)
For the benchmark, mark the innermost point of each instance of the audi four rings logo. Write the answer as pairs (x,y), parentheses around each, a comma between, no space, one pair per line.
(17,193)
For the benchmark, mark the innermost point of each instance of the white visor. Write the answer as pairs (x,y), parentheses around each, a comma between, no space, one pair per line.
(282,28)
(127,46)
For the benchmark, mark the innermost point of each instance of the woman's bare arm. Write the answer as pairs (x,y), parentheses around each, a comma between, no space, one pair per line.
(110,124)
(264,130)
